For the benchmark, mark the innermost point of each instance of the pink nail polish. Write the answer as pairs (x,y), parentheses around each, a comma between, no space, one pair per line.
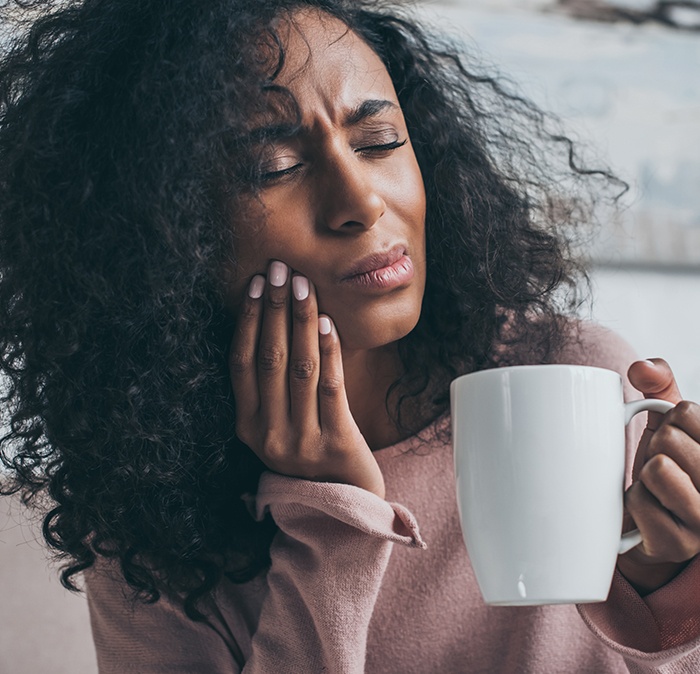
(300,286)
(324,325)
(278,273)
(257,286)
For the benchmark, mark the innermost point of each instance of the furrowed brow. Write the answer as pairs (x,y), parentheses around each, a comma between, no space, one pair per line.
(368,108)
(273,132)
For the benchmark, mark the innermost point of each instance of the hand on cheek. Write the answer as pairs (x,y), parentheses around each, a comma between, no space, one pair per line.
(287,376)
(664,499)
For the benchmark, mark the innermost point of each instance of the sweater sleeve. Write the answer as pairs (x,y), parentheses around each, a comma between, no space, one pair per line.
(659,633)
(328,561)
(132,637)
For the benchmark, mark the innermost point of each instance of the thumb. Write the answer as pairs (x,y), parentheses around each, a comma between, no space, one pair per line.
(654,378)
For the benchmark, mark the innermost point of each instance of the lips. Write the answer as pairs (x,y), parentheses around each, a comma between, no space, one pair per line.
(375,261)
(381,272)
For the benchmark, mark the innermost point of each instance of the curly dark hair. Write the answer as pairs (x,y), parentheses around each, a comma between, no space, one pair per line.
(120,164)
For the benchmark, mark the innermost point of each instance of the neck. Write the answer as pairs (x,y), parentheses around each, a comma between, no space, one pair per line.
(368,375)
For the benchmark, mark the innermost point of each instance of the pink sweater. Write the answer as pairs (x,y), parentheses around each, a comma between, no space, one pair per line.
(355,586)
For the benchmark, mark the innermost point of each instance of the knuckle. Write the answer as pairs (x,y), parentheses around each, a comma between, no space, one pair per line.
(664,436)
(685,411)
(270,359)
(277,300)
(273,449)
(248,310)
(239,361)
(330,386)
(653,469)
(303,313)
(328,346)
(303,369)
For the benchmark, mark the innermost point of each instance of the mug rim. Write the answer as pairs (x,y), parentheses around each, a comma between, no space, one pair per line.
(492,371)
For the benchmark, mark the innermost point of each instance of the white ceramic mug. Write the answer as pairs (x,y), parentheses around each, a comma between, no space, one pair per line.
(539,460)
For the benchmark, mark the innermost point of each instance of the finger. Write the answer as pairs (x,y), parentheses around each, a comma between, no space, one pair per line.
(332,397)
(674,489)
(664,537)
(675,443)
(686,416)
(273,350)
(304,363)
(655,379)
(244,343)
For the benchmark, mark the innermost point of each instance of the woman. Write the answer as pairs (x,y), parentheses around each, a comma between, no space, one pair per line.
(245,249)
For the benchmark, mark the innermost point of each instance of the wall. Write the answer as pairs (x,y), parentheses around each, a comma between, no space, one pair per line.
(44,629)
(630,94)
(627,92)
(658,312)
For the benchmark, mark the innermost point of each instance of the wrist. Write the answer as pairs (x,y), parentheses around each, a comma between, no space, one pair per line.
(645,576)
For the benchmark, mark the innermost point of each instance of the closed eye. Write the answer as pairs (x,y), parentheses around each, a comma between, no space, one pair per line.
(384,147)
(271,176)
(268,177)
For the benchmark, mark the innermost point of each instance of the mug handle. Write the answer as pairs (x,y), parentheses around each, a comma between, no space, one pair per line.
(634,538)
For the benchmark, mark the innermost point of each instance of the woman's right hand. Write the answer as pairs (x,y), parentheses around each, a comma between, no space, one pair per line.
(287,377)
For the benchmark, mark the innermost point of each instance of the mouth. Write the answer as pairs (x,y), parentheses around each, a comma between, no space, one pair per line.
(375,262)
(381,271)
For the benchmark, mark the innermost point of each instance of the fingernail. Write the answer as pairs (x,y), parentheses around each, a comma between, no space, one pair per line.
(278,273)
(257,286)
(651,362)
(300,286)
(324,325)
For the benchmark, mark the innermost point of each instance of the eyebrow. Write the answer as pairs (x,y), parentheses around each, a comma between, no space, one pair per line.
(369,108)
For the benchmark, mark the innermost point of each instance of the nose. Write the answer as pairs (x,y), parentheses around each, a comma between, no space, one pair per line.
(349,197)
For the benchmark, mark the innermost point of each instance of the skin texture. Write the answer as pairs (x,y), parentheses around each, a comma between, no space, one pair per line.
(336,192)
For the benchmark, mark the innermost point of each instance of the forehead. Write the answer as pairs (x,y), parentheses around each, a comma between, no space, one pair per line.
(328,65)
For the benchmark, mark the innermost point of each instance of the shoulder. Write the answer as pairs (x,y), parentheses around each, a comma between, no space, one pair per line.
(591,344)
(588,343)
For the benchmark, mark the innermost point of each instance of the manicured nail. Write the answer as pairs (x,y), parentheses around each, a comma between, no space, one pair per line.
(278,273)
(324,325)
(300,286)
(257,286)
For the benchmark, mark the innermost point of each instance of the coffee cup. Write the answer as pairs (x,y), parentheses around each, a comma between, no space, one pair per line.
(539,455)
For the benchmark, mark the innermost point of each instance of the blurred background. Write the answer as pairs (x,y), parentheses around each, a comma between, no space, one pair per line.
(623,76)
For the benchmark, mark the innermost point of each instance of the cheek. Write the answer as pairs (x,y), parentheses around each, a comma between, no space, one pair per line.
(250,260)
(250,254)
(418,189)
(409,194)
(255,247)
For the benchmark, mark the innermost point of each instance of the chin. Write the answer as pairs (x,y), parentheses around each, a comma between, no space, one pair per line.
(363,335)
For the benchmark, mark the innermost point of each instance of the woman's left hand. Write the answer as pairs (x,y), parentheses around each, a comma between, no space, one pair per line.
(664,499)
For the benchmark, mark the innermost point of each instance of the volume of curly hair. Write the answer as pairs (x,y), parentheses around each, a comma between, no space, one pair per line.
(120,166)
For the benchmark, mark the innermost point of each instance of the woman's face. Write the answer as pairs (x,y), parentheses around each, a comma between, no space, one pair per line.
(343,189)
